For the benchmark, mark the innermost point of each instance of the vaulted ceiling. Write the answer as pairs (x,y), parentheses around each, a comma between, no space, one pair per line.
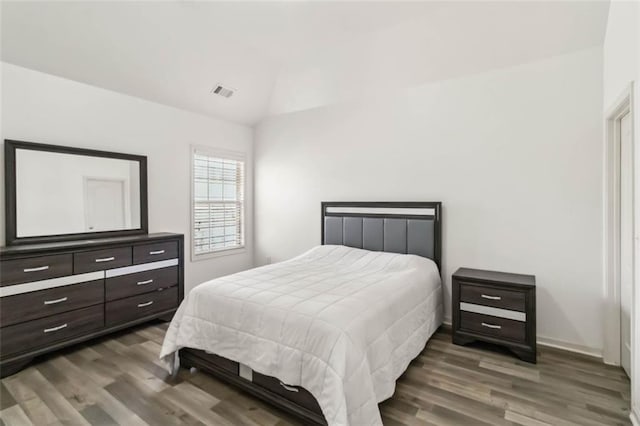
(285,56)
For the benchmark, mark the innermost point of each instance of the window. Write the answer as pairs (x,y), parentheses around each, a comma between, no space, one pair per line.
(218,202)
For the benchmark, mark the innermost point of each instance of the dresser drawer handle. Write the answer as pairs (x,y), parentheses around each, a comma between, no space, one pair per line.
(289,388)
(105,259)
(60,327)
(53,302)
(37,269)
(142,305)
(494,326)
(144,282)
(156,252)
(486,296)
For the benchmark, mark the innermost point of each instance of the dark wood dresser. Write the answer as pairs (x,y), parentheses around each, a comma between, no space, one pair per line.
(58,294)
(495,307)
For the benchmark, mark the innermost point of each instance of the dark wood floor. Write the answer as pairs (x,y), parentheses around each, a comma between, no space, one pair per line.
(118,380)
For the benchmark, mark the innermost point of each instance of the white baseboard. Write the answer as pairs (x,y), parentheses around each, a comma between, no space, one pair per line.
(571,347)
(560,344)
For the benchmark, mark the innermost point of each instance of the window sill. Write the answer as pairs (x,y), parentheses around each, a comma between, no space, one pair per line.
(220,253)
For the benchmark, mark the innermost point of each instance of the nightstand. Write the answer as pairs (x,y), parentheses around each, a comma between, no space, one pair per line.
(495,307)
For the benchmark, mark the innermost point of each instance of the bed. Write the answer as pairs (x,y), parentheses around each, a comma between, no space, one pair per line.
(326,334)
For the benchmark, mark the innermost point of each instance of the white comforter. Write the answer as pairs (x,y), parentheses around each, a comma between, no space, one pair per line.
(343,323)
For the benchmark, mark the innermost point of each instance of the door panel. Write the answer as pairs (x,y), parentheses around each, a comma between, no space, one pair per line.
(105,204)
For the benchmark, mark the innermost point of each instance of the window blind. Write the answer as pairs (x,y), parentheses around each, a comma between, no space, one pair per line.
(218,203)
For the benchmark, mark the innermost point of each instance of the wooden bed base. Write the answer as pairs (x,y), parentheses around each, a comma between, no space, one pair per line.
(294,400)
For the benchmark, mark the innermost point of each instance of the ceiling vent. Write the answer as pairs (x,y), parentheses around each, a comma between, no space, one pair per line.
(226,92)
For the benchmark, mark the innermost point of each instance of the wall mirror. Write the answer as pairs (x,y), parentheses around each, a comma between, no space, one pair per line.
(58,193)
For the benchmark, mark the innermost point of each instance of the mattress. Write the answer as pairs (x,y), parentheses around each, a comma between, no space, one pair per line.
(342,322)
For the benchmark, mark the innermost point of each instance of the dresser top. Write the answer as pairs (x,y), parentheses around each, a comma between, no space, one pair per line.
(83,244)
(495,276)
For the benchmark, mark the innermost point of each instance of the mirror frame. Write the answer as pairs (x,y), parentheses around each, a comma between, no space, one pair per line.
(10,147)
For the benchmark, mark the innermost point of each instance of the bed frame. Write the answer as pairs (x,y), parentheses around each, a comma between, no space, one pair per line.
(397,227)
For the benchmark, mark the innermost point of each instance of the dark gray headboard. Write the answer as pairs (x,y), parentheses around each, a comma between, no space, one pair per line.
(397,227)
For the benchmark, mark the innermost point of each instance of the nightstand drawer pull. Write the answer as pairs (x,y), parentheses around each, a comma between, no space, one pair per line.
(152,253)
(144,282)
(486,296)
(497,327)
(37,269)
(60,327)
(105,259)
(53,302)
(142,305)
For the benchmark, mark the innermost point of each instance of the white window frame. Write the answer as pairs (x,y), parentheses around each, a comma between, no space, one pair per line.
(228,155)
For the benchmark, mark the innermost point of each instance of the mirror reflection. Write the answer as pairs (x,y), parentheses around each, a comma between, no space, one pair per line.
(59,193)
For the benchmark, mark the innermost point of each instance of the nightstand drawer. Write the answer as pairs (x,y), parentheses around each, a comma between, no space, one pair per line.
(493,326)
(490,296)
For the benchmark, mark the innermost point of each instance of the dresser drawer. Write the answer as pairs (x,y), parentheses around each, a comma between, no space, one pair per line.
(295,394)
(43,303)
(45,331)
(154,252)
(493,326)
(140,282)
(491,296)
(98,260)
(35,269)
(135,307)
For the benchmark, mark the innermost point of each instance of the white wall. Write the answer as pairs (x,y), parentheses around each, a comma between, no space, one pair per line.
(43,108)
(454,39)
(513,154)
(621,49)
(621,66)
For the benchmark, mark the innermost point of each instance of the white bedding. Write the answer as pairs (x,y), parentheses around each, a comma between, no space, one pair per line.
(343,323)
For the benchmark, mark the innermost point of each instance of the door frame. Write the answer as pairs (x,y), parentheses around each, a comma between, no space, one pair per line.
(623,105)
(126,212)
